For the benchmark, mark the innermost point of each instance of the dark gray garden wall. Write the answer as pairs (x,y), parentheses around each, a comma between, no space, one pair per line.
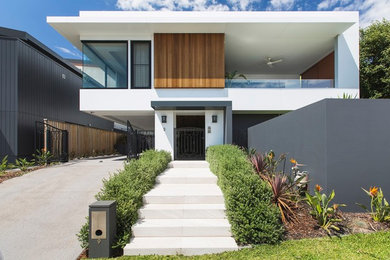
(344,143)
(241,123)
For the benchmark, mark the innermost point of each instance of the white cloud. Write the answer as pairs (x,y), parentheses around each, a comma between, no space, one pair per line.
(69,52)
(173,5)
(279,5)
(370,10)
(326,4)
(242,5)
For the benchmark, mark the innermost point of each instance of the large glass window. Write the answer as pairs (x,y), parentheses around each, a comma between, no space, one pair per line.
(140,64)
(105,64)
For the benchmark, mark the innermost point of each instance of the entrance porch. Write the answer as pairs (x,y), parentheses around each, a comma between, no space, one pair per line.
(187,128)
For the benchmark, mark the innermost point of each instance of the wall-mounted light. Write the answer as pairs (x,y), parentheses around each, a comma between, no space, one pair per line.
(163,119)
(214,118)
(209,129)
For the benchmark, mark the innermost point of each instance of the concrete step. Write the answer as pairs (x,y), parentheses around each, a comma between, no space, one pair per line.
(187,176)
(182,211)
(188,164)
(179,245)
(184,194)
(182,228)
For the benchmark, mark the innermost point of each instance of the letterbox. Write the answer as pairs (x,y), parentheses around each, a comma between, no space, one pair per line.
(102,228)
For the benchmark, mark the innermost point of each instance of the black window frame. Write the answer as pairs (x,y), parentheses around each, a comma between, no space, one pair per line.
(132,64)
(127,62)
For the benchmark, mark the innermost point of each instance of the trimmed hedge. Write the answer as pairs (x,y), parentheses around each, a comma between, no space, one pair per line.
(253,217)
(127,187)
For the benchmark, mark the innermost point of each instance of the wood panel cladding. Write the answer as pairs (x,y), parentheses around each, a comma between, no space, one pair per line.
(189,60)
(324,69)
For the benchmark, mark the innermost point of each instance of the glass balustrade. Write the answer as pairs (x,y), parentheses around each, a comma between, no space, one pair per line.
(279,83)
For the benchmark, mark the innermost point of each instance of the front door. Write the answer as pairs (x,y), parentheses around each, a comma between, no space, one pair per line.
(190,138)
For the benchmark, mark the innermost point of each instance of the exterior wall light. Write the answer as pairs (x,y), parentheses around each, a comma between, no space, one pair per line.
(209,129)
(163,119)
(214,118)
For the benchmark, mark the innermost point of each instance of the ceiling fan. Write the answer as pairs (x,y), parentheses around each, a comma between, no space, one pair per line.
(271,62)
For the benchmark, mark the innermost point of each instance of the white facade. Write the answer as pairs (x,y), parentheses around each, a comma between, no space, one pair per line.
(301,39)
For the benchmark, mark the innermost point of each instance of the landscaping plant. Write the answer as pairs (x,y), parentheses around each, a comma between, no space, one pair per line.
(272,164)
(253,217)
(42,157)
(233,75)
(249,151)
(285,188)
(127,188)
(267,163)
(379,207)
(23,164)
(300,177)
(284,194)
(325,215)
(4,165)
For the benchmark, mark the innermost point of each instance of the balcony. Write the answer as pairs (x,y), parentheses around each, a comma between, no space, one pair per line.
(280,83)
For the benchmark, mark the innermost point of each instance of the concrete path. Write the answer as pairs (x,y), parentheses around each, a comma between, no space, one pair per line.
(41,212)
(183,214)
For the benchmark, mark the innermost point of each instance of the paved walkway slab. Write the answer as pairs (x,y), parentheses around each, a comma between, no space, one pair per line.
(41,212)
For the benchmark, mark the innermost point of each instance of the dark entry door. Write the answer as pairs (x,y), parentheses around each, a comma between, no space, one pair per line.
(189,143)
(190,138)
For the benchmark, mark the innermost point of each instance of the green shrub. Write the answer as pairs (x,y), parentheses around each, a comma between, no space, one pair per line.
(3,165)
(252,215)
(127,188)
(42,157)
(23,164)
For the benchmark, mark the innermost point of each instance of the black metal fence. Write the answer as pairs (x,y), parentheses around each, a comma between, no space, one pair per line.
(56,141)
(189,143)
(139,141)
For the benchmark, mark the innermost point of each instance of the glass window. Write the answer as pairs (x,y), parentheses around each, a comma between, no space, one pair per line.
(105,64)
(140,64)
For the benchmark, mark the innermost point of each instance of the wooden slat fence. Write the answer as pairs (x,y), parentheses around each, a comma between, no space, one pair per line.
(88,141)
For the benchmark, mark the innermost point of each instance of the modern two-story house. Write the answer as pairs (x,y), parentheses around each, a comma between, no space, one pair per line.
(167,71)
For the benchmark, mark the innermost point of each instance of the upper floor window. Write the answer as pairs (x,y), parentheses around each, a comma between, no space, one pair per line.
(105,64)
(140,64)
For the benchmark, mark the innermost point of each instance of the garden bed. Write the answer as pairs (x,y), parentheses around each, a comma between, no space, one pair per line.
(9,174)
(352,223)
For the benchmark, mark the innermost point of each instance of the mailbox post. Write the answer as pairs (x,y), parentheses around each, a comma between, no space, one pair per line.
(102,228)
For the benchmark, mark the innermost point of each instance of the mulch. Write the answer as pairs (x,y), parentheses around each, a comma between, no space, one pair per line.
(17,173)
(83,254)
(352,223)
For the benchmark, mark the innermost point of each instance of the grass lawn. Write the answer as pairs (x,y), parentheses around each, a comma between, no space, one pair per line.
(359,246)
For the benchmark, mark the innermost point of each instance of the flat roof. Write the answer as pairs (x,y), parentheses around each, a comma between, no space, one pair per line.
(207,17)
(299,38)
(121,23)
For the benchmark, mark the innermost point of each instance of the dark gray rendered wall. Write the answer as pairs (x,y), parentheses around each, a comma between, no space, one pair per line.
(345,144)
(44,93)
(8,99)
(241,123)
(358,137)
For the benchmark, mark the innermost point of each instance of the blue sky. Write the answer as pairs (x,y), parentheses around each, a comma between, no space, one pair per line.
(30,15)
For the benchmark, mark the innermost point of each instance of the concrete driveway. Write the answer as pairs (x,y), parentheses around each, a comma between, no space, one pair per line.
(41,212)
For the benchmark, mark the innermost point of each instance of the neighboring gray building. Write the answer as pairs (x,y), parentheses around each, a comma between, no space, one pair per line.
(35,83)
(345,144)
